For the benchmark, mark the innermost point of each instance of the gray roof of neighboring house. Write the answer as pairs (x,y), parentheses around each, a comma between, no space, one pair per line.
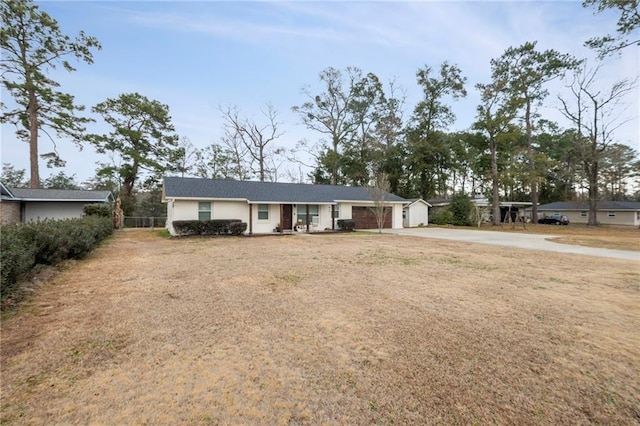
(5,192)
(28,194)
(584,205)
(412,201)
(266,192)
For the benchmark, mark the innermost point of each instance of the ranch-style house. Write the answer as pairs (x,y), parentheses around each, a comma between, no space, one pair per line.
(282,207)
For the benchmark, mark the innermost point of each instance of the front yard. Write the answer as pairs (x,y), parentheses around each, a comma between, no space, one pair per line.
(325,329)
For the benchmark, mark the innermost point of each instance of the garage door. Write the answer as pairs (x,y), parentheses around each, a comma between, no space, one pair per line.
(366,219)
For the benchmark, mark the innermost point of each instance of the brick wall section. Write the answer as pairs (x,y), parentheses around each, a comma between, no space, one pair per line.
(366,219)
(9,212)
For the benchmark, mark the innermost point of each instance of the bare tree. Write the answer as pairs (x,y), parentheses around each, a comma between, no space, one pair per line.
(378,190)
(187,157)
(597,114)
(256,138)
(329,112)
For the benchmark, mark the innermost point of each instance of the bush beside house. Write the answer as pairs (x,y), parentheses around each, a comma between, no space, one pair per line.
(209,227)
(49,242)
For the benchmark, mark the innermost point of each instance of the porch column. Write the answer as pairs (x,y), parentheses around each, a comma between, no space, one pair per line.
(308,230)
(281,218)
(250,218)
(333,219)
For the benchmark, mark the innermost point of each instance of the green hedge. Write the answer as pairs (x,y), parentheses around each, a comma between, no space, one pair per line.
(98,209)
(209,227)
(49,242)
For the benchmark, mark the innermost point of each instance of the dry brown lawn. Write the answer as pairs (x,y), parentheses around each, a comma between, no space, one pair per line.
(332,329)
(604,236)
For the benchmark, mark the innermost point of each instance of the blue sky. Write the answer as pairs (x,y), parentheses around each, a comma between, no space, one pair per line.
(195,56)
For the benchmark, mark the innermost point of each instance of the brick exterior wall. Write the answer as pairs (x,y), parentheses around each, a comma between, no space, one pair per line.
(9,212)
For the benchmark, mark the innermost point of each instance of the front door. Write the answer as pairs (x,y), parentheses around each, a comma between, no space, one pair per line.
(287,216)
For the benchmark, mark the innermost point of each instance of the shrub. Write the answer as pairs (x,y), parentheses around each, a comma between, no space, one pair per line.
(188,227)
(237,228)
(442,217)
(17,257)
(98,209)
(206,227)
(347,224)
(48,242)
(461,208)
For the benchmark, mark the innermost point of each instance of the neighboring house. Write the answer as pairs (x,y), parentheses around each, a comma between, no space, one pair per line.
(609,212)
(514,209)
(23,204)
(265,206)
(416,213)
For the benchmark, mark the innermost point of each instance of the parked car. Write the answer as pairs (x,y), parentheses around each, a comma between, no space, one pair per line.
(555,219)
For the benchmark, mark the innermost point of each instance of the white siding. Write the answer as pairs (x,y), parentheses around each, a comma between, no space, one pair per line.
(168,224)
(396,218)
(188,210)
(37,210)
(417,213)
(621,217)
(264,226)
(230,210)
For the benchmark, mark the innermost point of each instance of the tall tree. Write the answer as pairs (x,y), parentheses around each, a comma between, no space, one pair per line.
(619,166)
(362,151)
(142,137)
(495,119)
(257,138)
(596,113)
(628,23)
(428,155)
(558,146)
(389,131)
(328,113)
(32,44)
(525,71)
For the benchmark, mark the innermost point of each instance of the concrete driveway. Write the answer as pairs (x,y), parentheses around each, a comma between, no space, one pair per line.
(526,241)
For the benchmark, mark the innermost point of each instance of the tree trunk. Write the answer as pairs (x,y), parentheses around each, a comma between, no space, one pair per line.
(593,194)
(32,111)
(334,162)
(532,166)
(496,184)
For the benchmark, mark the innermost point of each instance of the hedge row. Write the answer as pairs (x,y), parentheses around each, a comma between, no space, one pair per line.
(209,227)
(49,242)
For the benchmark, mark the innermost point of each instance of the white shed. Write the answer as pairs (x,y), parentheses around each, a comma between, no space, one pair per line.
(416,213)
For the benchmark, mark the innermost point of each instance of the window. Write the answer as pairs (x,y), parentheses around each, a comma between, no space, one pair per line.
(263,212)
(336,211)
(204,210)
(583,214)
(612,214)
(302,212)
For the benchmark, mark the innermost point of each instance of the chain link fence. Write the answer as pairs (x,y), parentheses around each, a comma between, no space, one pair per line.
(144,222)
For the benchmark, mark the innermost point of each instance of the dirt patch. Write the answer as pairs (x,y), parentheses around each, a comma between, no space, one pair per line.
(333,329)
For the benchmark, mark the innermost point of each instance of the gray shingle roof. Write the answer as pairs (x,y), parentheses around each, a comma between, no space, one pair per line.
(584,205)
(266,192)
(28,194)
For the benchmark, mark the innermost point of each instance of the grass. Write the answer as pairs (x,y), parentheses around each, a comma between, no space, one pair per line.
(604,236)
(333,329)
